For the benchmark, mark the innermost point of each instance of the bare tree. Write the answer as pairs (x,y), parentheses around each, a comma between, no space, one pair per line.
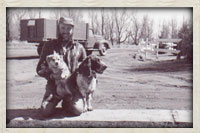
(40,12)
(121,19)
(111,31)
(146,28)
(110,26)
(174,30)
(33,13)
(186,34)
(165,30)
(135,29)
(106,27)
(150,30)
(14,17)
(75,14)
(102,21)
(9,16)
(94,21)
(56,13)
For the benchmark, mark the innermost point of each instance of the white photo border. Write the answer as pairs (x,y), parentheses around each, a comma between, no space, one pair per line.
(195,4)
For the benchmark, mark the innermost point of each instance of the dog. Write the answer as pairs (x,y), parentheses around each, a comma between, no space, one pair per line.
(86,78)
(60,72)
(82,81)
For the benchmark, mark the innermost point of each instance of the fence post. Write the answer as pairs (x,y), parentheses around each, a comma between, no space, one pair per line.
(146,44)
(157,47)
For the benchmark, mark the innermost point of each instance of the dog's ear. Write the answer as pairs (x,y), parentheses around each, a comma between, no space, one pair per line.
(85,67)
(48,58)
(54,52)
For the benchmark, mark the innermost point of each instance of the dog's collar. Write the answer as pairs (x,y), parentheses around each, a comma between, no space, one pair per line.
(93,74)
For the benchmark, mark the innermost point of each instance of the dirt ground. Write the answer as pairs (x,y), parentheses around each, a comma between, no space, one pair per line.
(126,84)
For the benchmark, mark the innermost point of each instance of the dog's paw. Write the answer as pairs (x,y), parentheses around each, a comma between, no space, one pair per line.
(49,98)
(44,105)
(41,71)
(89,109)
(63,76)
(85,109)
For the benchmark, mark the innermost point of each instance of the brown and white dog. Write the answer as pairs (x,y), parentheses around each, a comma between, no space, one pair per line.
(86,78)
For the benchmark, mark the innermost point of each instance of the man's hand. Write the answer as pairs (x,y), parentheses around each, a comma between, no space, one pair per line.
(44,69)
(53,76)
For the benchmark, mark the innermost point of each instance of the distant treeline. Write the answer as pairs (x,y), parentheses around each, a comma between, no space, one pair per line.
(116,24)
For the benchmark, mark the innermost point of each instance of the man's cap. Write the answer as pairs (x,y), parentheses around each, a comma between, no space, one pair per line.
(65,20)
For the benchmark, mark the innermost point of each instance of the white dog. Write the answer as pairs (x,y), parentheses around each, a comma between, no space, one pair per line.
(60,72)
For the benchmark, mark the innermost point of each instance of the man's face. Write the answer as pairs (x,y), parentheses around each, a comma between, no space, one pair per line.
(66,31)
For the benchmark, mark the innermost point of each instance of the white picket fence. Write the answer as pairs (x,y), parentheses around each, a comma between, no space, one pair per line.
(146,47)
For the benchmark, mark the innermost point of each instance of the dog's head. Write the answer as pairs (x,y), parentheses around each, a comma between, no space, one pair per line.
(54,60)
(97,64)
(92,63)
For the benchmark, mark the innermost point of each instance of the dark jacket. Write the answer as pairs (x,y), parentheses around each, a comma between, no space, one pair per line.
(74,54)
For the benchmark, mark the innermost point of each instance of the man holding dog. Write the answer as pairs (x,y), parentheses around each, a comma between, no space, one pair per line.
(73,53)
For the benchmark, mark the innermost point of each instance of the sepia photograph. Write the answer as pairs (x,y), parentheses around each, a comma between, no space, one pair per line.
(127,67)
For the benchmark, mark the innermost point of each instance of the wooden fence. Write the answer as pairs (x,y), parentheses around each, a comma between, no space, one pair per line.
(155,47)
